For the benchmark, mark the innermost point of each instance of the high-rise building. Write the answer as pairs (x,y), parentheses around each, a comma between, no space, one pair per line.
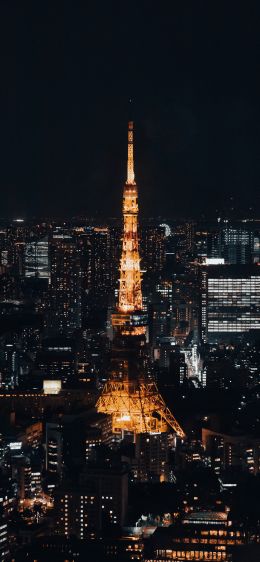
(37,258)
(183,234)
(65,290)
(237,245)
(256,250)
(234,243)
(4,547)
(230,302)
(160,320)
(25,480)
(99,251)
(177,367)
(152,248)
(97,503)
(160,311)
(232,450)
(10,354)
(184,304)
(54,448)
(57,360)
(100,265)
(152,457)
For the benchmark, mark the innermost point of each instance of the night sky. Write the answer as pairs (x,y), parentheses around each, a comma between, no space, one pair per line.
(67,71)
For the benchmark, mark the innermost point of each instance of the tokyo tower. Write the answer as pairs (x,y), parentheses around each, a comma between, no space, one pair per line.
(130,396)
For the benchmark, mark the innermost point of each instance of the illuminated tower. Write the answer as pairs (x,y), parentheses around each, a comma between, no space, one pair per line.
(130,396)
(129,318)
(130,293)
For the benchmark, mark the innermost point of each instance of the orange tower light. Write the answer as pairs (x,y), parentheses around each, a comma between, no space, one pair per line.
(129,396)
(130,290)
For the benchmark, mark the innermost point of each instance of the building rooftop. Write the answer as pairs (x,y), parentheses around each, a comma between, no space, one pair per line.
(206,517)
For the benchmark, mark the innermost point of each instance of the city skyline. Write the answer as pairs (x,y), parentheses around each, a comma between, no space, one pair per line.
(129,282)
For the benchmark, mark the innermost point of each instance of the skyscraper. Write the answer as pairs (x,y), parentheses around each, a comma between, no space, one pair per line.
(230,301)
(234,243)
(99,501)
(65,291)
(237,245)
(37,258)
(152,248)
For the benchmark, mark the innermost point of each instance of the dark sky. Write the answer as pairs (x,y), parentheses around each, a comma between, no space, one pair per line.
(67,71)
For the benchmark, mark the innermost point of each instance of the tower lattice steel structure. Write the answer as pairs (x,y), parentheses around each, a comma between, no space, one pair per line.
(130,396)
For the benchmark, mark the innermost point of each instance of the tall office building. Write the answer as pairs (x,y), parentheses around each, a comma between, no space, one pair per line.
(4,547)
(99,254)
(152,248)
(66,288)
(37,258)
(152,456)
(184,303)
(160,320)
(177,366)
(100,264)
(160,311)
(256,250)
(234,243)
(54,449)
(237,245)
(232,450)
(97,503)
(230,302)
(184,238)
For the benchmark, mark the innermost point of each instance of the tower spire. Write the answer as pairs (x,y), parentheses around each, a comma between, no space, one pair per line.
(130,291)
(130,396)
(130,156)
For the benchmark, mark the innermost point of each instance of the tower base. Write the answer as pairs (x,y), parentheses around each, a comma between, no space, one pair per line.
(136,406)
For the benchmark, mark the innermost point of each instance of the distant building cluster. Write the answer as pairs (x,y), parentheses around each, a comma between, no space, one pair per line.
(66,478)
(109,330)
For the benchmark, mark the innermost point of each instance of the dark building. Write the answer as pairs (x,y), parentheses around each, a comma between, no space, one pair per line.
(99,251)
(160,320)
(152,457)
(177,367)
(97,502)
(105,246)
(66,288)
(184,304)
(54,449)
(57,359)
(236,450)
(183,236)
(65,445)
(4,546)
(201,535)
(152,248)
(236,243)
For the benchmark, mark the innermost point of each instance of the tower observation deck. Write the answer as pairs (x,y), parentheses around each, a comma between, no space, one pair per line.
(130,396)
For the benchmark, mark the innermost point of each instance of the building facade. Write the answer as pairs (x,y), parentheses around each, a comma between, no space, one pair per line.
(230,302)
(66,288)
